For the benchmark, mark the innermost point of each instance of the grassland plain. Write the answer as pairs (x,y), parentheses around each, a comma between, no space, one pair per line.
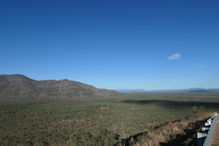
(95,121)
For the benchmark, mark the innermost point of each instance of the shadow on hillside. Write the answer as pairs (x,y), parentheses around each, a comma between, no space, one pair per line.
(168,103)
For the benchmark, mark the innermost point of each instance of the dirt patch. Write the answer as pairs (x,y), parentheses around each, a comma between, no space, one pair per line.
(173,133)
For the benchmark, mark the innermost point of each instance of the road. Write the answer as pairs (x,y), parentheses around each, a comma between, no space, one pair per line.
(215,138)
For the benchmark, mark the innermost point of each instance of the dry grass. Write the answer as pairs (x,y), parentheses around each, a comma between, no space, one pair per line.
(166,133)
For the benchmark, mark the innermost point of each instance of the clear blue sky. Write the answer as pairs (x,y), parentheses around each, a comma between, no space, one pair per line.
(113,44)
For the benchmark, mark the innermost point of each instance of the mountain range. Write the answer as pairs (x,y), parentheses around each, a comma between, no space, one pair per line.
(189,90)
(20,86)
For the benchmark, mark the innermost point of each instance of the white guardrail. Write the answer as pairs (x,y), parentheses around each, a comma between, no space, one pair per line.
(204,137)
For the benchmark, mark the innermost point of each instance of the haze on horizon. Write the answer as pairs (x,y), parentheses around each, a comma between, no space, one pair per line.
(113,44)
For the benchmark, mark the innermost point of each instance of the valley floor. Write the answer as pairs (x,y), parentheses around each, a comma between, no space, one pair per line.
(95,121)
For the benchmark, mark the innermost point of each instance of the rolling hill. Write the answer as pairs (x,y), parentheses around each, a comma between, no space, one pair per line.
(20,86)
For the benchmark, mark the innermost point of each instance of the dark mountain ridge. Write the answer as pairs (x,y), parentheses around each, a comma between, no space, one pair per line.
(20,86)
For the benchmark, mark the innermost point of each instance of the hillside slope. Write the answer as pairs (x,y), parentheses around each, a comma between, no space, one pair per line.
(19,86)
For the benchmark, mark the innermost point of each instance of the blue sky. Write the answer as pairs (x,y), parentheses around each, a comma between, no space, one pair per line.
(113,44)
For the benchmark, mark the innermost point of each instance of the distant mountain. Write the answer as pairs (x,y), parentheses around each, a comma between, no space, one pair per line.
(203,90)
(200,90)
(19,86)
(189,90)
(131,90)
